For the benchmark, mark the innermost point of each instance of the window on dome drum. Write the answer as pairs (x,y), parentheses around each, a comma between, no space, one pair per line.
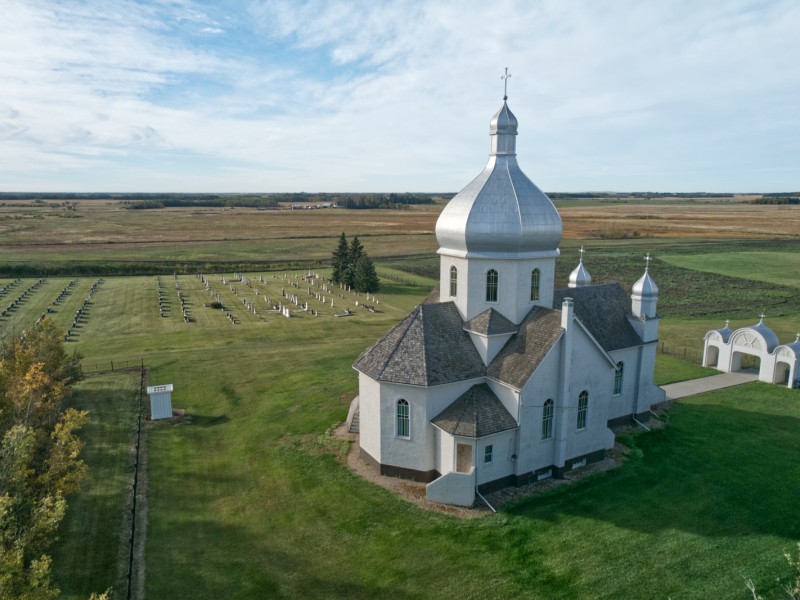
(487,454)
(618,378)
(583,408)
(534,285)
(403,419)
(547,420)
(491,286)
(453,281)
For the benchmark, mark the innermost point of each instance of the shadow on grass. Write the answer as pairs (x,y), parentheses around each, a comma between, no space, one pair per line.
(713,471)
(208,420)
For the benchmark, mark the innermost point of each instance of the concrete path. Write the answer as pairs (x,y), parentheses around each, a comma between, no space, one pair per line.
(706,384)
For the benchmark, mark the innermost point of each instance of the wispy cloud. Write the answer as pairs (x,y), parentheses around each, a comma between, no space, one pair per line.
(353,95)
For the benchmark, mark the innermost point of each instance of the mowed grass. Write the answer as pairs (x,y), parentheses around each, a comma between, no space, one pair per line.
(249,499)
(87,558)
(780,268)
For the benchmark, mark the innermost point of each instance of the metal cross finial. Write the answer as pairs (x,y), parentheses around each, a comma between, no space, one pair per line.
(647,260)
(505,84)
(762,315)
(582,253)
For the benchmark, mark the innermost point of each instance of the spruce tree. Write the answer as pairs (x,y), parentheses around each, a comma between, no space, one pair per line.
(340,261)
(355,252)
(364,276)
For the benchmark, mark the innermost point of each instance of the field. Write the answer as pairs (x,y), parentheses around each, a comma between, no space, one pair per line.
(248,496)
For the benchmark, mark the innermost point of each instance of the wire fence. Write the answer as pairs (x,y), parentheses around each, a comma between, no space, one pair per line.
(139,399)
(111,366)
(682,352)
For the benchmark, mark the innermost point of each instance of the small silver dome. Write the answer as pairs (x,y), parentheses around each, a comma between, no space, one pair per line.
(501,213)
(645,287)
(503,121)
(725,332)
(580,277)
(769,336)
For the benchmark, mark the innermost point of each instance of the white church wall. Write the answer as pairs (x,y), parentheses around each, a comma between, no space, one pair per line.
(509,397)
(369,415)
(649,392)
(514,279)
(623,404)
(535,452)
(591,372)
(501,464)
(418,451)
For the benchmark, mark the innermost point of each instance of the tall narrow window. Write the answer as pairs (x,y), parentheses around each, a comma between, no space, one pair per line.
(583,408)
(487,453)
(534,285)
(453,281)
(618,378)
(547,420)
(491,286)
(402,419)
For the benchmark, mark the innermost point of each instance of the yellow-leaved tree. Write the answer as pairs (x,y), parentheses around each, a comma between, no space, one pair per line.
(39,461)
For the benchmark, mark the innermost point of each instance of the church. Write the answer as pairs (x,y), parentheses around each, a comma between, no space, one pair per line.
(498,378)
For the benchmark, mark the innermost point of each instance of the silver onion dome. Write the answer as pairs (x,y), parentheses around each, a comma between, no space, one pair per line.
(580,277)
(501,213)
(645,287)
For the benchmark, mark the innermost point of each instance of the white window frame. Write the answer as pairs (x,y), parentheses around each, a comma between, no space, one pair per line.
(495,286)
(618,374)
(488,454)
(453,281)
(536,278)
(548,409)
(583,410)
(402,418)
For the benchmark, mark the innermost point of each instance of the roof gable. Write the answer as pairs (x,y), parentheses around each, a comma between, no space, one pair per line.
(428,347)
(490,322)
(478,412)
(518,359)
(603,310)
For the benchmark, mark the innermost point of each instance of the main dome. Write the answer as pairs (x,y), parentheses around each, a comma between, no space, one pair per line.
(501,213)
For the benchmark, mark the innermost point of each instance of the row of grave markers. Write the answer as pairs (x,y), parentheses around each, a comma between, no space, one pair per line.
(82,311)
(15,304)
(61,295)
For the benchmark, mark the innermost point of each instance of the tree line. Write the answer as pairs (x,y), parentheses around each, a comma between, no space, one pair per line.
(39,462)
(352,267)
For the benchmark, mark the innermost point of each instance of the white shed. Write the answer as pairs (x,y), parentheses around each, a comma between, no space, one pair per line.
(160,401)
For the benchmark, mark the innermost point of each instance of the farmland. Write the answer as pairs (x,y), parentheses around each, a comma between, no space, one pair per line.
(248,496)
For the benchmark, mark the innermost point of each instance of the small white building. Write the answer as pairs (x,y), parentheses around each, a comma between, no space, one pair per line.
(160,401)
(724,349)
(498,378)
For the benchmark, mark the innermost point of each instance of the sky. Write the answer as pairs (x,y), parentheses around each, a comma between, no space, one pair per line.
(372,96)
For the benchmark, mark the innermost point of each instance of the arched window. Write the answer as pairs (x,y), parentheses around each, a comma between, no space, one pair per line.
(403,411)
(547,420)
(491,286)
(453,281)
(583,408)
(618,378)
(535,285)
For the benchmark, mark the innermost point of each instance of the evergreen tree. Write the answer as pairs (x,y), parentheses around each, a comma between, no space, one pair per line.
(356,251)
(364,276)
(340,261)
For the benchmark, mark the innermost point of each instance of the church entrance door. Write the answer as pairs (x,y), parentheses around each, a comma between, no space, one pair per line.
(463,458)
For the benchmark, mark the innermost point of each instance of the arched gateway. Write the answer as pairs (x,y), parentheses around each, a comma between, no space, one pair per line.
(729,351)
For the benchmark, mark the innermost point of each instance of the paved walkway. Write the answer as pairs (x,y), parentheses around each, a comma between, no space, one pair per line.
(706,384)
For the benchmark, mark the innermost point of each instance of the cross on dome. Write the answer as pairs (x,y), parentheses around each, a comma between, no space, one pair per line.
(581,251)
(762,315)
(505,83)
(647,260)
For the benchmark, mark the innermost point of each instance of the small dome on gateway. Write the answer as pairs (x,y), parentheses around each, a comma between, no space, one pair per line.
(501,213)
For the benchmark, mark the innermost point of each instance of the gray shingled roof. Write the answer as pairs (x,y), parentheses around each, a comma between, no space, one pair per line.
(490,322)
(428,347)
(604,310)
(476,413)
(538,332)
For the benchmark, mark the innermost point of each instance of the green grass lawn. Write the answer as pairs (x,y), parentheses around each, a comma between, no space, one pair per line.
(780,268)
(249,500)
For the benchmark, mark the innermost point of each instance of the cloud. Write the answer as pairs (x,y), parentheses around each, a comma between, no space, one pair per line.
(363,95)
